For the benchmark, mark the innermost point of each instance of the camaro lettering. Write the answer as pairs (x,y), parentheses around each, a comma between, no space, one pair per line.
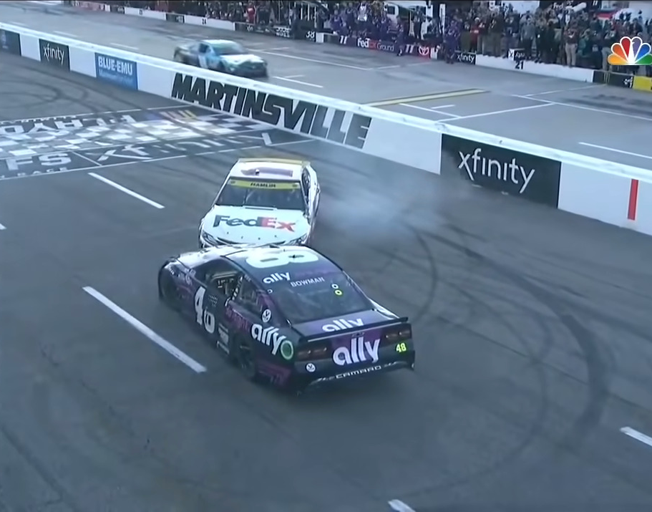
(317,120)
(361,351)
(361,371)
(277,277)
(259,222)
(342,324)
(505,171)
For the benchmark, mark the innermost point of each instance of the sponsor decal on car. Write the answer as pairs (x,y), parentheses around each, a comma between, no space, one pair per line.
(265,184)
(259,222)
(269,336)
(342,324)
(304,282)
(277,277)
(360,351)
(360,371)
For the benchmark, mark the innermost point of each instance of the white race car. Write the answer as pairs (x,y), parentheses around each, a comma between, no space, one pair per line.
(267,201)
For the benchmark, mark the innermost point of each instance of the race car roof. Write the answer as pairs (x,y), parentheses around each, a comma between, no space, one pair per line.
(281,260)
(268,168)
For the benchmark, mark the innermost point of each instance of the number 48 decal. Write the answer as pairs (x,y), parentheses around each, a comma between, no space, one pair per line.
(204,318)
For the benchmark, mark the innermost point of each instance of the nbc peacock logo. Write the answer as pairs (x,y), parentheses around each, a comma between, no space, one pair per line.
(630,52)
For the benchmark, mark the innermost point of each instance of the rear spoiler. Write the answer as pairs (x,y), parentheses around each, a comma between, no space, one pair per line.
(275,160)
(344,332)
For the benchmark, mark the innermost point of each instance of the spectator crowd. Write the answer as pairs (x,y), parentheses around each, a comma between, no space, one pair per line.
(265,12)
(557,34)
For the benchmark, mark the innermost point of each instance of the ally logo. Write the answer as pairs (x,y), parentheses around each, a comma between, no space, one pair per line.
(630,52)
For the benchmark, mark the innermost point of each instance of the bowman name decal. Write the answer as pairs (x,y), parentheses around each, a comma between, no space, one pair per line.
(299,116)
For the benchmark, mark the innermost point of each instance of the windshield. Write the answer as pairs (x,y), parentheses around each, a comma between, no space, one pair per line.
(319,296)
(282,195)
(229,49)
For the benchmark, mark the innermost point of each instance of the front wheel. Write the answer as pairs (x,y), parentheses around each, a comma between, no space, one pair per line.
(179,58)
(167,291)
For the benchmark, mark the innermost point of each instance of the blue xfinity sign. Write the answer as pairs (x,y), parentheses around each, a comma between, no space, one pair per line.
(117,71)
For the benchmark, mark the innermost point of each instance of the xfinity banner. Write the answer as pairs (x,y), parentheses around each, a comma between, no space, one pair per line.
(10,42)
(299,116)
(116,71)
(55,54)
(520,174)
(461,57)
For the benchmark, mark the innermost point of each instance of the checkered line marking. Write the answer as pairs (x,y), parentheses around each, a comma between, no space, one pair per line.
(180,125)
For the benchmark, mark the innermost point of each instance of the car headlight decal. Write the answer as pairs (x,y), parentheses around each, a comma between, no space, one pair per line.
(208,238)
(287,350)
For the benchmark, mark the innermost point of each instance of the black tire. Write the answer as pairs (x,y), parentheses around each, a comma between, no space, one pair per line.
(245,359)
(167,292)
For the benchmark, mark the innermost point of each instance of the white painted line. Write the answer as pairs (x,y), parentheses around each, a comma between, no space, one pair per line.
(506,111)
(381,68)
(317,61)
(17,23)
(299,82)
(124,46)
(292,142)
(621,151)
(292,76)
(399,506)
(2,228)
(266,138)
(441,106)
(429,110)
(580,107)
(138,325)
(67,34)
(277,49)
(635,434)
(83,157)
(126,191)
(561,90)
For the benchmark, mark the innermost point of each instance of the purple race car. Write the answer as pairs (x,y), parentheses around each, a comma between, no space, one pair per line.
(287,315)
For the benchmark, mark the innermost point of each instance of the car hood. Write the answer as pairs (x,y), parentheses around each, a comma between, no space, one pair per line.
(237,60)
(357,321)
(253,226)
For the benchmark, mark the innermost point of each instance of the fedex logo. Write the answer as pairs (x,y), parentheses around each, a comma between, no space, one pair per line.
(259,222)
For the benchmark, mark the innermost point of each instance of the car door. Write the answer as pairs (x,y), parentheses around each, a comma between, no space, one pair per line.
(252,308)
(204,55)
(191,55)
(215,283)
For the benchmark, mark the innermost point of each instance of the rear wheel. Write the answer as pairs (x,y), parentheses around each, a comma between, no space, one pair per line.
(245,359)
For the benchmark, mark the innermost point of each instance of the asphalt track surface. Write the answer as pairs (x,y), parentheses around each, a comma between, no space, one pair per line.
(532,328)
(605,122)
